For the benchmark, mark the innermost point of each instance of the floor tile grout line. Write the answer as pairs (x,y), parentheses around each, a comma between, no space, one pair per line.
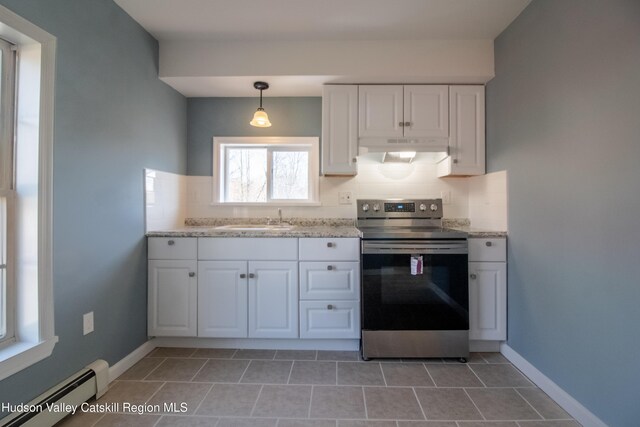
(529,403)
(478,376)
(310,402)
(246,368)
(198,371)
(424,415)
(98,420)
(424,365)
(195,411)
(383,377)
(155,392)
(474,403)
(153,370)
(256,402)
(364,400)
(290,371)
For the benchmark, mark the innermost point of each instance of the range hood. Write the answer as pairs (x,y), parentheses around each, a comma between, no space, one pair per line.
(438,148)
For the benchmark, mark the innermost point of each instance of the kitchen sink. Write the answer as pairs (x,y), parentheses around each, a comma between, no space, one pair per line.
(254,227)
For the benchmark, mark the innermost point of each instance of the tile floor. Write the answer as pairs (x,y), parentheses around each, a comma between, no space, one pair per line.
(256,388)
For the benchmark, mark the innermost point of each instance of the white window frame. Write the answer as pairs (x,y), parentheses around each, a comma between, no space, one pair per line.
(272,143)
(34,336)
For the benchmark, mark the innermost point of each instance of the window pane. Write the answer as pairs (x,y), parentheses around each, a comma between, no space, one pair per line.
(290,175)
(246,171)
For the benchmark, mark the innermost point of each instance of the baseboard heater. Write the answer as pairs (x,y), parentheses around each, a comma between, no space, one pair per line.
(91,381)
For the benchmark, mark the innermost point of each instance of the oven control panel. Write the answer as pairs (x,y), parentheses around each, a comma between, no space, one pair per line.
(395,208)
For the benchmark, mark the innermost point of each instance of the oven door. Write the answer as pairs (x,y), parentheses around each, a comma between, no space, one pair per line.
(394,299)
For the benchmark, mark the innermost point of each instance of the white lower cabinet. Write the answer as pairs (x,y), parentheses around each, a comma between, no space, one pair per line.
(273,299)
(330,280)
(172,298)
(487,290)
(222,299)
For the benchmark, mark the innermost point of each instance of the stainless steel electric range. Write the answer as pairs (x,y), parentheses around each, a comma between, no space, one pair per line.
(415,291)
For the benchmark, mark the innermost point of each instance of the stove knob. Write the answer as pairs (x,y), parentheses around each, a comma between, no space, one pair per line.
(433,207)
(423,207)
(365,207)
(376,207)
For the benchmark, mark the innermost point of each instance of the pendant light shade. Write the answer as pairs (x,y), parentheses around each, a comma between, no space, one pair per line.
(260,117)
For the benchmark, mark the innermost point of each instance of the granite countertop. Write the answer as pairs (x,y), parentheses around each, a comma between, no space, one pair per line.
(463,224)
(301,227)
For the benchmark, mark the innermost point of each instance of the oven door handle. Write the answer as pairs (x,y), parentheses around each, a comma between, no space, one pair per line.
(435,247)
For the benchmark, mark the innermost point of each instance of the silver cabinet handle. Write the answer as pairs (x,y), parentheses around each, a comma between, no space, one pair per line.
(330,307)
(251,275)
(243,276)
(330,244)
(488,243)
(192,274)
(171,242)
(401,124)
(407,124)
(329,267)
(354,160)
(473,276)
(455,160)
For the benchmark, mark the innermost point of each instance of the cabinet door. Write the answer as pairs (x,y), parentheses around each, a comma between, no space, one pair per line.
(222,299)
(339,129)
(380,111)
(426,111)
(467,144)
(172,298)
(488,301)
(273,299)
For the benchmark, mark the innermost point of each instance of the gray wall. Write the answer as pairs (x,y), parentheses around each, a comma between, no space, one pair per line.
(563,120)
(113,117)
(209,117)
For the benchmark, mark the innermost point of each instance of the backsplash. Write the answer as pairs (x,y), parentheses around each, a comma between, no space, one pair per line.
(374,180)
(488,201)
(165,200)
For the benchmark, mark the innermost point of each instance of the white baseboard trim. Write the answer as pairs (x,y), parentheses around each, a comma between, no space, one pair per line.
(561,397)
(130,359)
(257,343)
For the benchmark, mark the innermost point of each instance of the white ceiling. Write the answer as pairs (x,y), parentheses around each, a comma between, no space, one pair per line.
(279,20)
(233,26)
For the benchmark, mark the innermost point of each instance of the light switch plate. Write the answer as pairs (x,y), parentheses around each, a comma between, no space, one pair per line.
(345,197)
(445,195)
(87,323)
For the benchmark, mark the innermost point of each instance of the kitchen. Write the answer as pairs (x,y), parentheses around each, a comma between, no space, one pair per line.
(557,130)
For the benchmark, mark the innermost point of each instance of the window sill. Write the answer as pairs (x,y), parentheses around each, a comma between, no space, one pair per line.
(266,204)
(23,354)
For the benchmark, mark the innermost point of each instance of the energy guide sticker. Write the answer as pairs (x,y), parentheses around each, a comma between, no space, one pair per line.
(416,265)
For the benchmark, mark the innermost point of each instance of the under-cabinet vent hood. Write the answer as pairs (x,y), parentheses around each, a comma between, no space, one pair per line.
(438,147)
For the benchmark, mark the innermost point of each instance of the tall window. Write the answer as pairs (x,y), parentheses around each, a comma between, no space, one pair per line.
(7,191)
(266,170)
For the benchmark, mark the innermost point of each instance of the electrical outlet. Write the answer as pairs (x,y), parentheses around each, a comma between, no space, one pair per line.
(445,195)
(345,197)
(87,323)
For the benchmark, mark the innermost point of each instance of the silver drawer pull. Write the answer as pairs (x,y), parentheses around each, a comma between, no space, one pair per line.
(331,244)
(401,124)
(488,243)
(330,307)
(407,124)
(243,276)
(192,274)
(329,267)
(251,275)
(171,242)
(473,276)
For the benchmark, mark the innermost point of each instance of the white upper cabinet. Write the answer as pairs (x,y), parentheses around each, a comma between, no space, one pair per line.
(394,111)
(339,129)
(426,111)
(380,111)
(467,140)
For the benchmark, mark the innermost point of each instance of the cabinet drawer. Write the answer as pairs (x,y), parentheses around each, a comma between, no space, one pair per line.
(329,280)
(329,249)
(329,319)
(172,248)
(488,250)
(248,248)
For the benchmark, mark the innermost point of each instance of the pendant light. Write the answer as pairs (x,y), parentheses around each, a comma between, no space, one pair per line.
(260,118)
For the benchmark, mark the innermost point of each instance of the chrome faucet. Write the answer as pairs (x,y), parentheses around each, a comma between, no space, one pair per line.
(279,216)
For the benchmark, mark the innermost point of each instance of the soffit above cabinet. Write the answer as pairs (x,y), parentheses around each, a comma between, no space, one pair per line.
(216,48)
